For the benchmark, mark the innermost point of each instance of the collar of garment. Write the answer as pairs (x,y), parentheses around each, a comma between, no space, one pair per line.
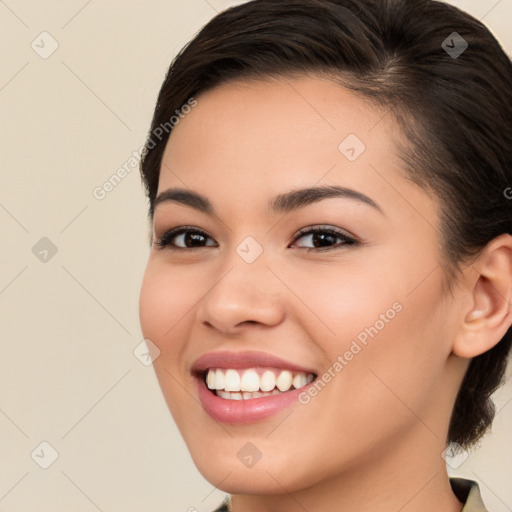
(467,492)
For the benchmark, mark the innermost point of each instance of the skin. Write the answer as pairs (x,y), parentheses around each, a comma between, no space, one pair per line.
(372,438)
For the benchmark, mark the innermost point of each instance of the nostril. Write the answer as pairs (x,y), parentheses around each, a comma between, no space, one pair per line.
(248,322)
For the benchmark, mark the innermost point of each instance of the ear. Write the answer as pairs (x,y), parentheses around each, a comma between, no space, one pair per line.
(487,314)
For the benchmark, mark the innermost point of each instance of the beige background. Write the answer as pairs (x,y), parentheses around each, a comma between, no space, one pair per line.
(69,325)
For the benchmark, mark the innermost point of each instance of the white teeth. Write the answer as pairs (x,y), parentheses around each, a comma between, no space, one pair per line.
(210,380)
(251,383)
(284,381)
(219,379)
(299,380)
(267,381)
(232,380)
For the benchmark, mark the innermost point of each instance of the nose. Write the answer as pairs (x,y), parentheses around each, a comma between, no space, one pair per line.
(241,295)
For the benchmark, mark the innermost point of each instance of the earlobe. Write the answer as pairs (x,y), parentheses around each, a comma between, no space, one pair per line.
(490,313)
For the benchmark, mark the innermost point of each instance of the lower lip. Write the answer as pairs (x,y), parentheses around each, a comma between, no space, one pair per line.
(244,411)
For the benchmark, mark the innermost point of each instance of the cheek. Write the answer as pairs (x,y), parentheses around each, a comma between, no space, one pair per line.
(166,305)
(343,303)
(165,299)
(385,335)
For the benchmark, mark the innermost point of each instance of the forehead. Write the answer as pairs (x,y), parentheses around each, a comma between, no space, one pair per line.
(277,124)
(265,108)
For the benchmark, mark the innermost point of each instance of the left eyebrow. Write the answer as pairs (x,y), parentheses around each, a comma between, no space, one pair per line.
(300,198)
(282,203)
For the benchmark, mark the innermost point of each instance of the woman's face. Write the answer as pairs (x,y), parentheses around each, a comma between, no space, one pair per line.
(359,308)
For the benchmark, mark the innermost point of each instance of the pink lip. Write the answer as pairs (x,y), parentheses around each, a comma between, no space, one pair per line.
(243,411)
(247,359)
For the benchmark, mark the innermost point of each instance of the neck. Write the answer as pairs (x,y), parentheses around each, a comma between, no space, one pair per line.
(409,477)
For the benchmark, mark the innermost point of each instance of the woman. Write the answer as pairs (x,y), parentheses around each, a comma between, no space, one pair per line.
(330,272)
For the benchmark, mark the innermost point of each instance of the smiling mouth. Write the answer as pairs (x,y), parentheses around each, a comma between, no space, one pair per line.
(250,383)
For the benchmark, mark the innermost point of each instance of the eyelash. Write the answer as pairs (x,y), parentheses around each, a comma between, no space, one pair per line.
(166,238)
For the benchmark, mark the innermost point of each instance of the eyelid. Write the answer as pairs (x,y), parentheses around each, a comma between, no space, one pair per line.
(325,228)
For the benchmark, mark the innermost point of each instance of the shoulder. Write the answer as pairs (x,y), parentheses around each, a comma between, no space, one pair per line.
(225,506)
(468,492)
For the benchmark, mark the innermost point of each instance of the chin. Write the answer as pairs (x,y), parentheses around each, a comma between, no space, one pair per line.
(281,468)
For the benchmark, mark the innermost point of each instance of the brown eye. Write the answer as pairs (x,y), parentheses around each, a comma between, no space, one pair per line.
(325,238)
(182,238)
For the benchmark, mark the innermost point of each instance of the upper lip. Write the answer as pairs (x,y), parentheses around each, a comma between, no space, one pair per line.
(245,359)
